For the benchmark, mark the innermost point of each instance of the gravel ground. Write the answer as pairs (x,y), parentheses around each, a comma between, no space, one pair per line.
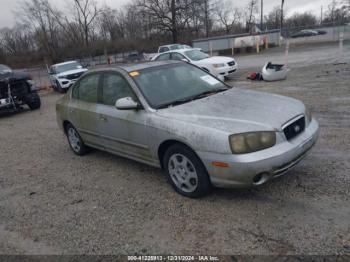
(53,202)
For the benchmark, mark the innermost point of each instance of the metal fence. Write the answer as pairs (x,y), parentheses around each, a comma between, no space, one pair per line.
(232,42)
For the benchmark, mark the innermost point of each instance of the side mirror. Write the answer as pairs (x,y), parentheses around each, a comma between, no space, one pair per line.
(185,60)
(127,103)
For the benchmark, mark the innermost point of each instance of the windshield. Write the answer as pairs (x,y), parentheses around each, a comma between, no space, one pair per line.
(5,69)
(67,67)
(175,47)
(166,85)
(196,55)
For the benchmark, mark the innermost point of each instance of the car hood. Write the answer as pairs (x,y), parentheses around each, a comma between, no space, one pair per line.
(12,75)
(216,59)
(72,72)
(237,111)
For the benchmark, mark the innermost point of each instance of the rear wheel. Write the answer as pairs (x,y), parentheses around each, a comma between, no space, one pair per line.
(186,172)
(75,141)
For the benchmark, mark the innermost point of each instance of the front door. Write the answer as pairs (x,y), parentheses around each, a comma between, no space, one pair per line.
(123,131)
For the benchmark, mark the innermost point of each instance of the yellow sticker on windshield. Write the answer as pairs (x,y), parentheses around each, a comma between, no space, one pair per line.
(134,73)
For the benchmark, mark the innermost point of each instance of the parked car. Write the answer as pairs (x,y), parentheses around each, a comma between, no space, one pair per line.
(304,33)
(166,48)
(64,75)
(321,32)
(16,90)
(176,116)
(134,57)
(218,66)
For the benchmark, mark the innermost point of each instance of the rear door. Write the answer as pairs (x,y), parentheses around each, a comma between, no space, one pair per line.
(123,131)
(84,106)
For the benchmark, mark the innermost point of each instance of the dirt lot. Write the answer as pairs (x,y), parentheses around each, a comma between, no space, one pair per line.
(53,202)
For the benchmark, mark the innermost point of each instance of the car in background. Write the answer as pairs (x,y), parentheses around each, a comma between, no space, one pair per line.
(134,58)
(64,75)
(177,117)
(219,66)
(166,48)
(321,32)
(304,33)
(16,90)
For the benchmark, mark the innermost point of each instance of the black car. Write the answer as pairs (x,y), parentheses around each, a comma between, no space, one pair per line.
(16,90)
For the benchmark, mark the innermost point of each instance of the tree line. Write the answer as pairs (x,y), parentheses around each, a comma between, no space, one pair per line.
(44,32)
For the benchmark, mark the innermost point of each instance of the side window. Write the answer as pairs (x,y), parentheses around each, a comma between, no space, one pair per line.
(163,49)
(177,56)
(87,88)
(163,57)
(115,87)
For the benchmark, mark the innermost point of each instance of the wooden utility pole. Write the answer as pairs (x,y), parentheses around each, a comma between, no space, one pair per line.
(206,11)
(321,14)
(282,15)
(262,15)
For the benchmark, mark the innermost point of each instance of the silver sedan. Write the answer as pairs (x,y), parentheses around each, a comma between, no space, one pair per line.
(178,117)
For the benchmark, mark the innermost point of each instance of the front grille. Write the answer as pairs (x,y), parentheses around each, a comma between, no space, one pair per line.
(74,76)
(295,128)
(19,88)
(231,63)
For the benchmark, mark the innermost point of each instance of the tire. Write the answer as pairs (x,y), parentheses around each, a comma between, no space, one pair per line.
(33,100)
(186,172)
(75,141)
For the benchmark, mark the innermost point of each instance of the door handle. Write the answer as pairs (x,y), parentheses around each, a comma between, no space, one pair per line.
(103,118)
(71,110)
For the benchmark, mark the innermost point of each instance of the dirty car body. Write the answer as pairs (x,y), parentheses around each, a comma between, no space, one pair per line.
(238,138)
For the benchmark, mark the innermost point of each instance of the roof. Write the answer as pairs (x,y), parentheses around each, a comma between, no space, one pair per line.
(141,66)
(65,63)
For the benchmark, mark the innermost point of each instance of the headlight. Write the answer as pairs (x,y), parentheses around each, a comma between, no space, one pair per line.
(251,142)
(218,65)
(308,114)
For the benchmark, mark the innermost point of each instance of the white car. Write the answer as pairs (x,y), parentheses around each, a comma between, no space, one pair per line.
(64,75)
(219,66)
(166,48)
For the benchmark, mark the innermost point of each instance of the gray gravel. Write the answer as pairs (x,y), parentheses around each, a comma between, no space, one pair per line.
(53,202)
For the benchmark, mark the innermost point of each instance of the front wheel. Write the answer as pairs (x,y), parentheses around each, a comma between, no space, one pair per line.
(75,141)
(186,172)
(33,100)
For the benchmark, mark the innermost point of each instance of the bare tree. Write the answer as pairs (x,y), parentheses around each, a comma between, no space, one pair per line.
(251,11)
(167,15)
(227,14)
(272,20)
(86,12)
(38,14)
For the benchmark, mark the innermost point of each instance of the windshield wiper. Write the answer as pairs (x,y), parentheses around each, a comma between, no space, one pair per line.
(175,103)
(191,98)
(208,93)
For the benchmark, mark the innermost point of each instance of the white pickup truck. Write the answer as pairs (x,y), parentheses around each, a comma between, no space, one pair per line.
(64,75)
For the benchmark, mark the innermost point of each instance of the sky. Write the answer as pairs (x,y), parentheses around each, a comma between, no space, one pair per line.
(7,7)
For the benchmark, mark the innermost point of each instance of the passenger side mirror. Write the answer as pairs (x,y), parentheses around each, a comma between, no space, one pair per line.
(127,103)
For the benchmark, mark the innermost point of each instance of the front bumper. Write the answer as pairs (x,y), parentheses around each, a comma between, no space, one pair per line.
(226,71)
(257,168)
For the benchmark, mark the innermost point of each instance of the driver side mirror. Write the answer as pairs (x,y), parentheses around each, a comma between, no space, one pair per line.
(127,103)
(185,60)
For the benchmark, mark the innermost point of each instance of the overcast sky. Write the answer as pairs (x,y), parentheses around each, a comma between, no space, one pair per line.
(7,19)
